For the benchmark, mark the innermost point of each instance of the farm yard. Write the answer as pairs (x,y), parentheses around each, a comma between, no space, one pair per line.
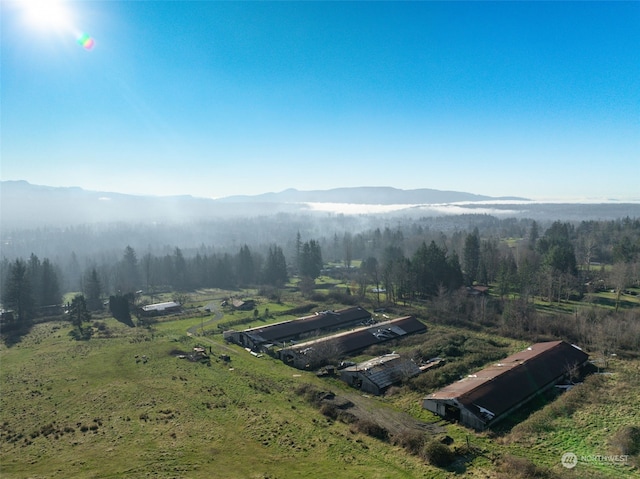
(126,397)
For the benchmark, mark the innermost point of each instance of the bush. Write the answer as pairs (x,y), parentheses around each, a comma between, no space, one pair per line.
(627,440)
(438,454)
(81,334)
(329,410)
(513,467)
(310,394)
(411,440)
(372,429)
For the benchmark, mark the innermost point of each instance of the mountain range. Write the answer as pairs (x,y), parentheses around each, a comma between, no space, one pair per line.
(24,205)
(368,195)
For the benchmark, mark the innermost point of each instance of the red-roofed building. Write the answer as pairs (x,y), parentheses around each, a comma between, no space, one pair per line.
(484,398)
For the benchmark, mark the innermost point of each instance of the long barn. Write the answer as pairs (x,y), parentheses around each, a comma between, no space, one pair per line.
(262,338)
(488,396)
(311,354)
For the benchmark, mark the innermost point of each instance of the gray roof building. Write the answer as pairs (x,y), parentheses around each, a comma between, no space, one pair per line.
(376,375)
(262,337)
(311,354)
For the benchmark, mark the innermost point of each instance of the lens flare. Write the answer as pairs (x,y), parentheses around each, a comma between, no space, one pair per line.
(47,14)
(86,41)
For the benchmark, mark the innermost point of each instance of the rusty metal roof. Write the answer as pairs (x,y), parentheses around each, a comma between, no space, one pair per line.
(497,388)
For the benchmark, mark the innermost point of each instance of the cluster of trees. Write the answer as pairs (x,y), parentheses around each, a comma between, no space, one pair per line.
(429,270)
(562,263)
(30,288)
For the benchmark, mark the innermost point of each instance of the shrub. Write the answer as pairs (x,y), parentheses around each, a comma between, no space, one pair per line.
(626,440)
(513,467)
(372,429)
(411,440)
(347,417)
(310,394)
(438,454)
(329,410)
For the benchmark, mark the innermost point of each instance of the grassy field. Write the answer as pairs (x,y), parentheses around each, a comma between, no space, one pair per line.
(126,406)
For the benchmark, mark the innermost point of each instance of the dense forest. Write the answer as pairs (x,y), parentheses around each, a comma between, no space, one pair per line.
(412,261)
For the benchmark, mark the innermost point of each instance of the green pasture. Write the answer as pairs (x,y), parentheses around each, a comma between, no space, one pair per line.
(94,409)
(124,405)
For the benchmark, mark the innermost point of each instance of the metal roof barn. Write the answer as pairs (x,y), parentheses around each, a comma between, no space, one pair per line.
(313,353)
(377,374)
(484,398)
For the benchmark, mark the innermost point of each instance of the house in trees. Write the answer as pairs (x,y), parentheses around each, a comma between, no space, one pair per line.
(243,305)
(477,290)
(482,399)
(376,375)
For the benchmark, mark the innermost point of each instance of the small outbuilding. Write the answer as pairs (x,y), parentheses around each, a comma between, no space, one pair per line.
(160,309)
(488,396)
(376,375)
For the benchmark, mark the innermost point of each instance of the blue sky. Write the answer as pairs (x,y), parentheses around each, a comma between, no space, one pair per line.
(535,99)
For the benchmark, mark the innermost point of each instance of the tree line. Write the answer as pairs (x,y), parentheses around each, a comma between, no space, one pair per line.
(558,262)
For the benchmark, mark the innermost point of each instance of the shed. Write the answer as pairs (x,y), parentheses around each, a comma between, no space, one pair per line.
(158,309)
(376,375)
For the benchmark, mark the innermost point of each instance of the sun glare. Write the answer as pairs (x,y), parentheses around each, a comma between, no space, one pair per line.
(47,14)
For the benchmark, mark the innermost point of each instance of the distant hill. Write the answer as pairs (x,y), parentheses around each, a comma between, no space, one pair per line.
(368,195)
(24,205)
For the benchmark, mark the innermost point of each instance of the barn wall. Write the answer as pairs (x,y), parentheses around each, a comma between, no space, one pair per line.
(471,420)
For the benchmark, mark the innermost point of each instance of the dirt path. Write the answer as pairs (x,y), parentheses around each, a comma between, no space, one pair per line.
(217,316)
(394,422)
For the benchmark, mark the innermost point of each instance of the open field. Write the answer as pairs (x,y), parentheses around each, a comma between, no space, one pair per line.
(126,406)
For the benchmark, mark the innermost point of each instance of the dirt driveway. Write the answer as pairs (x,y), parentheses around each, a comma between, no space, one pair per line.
(364,408)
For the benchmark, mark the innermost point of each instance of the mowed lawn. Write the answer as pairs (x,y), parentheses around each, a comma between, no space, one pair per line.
(94,409)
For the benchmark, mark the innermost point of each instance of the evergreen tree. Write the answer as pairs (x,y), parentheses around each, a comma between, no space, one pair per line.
(455,278)
(275,271)
(78,312)
(128,274)
(533,235)
(472,256)
(311,260)
(347,242)
(93,291)
(34,272)
(49,284)
(431,269)
(246,266)
(557,249)
(17,294)
(298,252)
(78,315)
(180,274)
